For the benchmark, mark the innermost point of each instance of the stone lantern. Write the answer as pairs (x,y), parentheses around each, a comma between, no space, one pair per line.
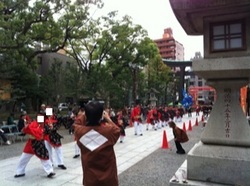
(223,154)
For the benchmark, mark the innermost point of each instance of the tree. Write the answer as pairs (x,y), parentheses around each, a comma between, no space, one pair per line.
(110,52)
(117,44)
(34,27)
(158,76)
(74,81)
(29,28)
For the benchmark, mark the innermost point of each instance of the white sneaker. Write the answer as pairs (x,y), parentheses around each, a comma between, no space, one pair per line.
(8,142)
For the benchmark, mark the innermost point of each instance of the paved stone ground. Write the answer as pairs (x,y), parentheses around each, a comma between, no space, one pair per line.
(159,167)
(154,170)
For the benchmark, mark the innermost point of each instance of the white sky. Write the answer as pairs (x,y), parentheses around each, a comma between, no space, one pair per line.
(154,16)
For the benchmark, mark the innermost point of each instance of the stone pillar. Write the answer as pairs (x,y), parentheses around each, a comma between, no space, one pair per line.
(227,124)
(223,154)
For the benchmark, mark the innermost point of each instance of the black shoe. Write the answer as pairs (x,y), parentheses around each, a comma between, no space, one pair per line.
(62,167)
(50,175)
(19,175)
(180,152)
(141,134)
(76,156)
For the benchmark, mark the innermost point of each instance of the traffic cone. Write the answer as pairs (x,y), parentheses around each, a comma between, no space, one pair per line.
(165,141)
(190,126)
(202,118)
(184,127)
(196,122)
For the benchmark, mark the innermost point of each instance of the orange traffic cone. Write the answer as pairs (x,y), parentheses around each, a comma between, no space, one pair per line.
(196,122)
(184,127)
(190,126)
(202,118)
(165,141)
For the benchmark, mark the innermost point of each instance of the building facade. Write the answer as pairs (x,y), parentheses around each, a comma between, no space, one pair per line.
(170,48)
(198,89)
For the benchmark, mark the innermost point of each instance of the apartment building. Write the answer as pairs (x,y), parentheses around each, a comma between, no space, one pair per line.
(170,48)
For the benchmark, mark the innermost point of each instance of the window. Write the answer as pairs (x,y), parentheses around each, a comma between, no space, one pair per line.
(191,83)
(199,83)
(228,36)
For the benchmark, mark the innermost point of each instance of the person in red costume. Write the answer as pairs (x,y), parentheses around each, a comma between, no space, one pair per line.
(150,119)
(53,139)
(136,119)
(34,146)
(96,142)
(118,120)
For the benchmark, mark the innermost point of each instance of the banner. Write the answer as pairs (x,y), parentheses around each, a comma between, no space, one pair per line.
(187,100)
(243,99)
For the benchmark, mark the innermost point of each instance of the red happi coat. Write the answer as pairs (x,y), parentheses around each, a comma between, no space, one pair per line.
(35,144)
(136,114)
(99,164)
(150,116)
(159,116)
(51,134)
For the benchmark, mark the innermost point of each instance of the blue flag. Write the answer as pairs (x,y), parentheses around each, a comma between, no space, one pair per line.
(187,100)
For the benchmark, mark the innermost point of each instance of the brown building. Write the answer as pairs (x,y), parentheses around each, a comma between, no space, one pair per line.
(170,48)
(47,59)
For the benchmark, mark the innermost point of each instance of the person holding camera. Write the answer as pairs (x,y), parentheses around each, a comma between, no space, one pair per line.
(96,142)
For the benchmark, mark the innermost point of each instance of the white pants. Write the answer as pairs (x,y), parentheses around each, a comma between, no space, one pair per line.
(138,128)
(122,138)
(58,153)
(77,149)
(24,160)
(159,124)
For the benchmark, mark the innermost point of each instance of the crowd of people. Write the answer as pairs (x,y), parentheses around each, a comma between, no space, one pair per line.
(16,126)
(89,122)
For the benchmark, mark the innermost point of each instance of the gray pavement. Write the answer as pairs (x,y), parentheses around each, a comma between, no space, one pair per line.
(140,160)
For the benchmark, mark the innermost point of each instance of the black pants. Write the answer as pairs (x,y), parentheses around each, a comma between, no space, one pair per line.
(179,148)
(3,136)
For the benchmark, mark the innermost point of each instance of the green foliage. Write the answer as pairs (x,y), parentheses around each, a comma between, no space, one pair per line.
(110,54)
(29,28)
(114,56)
(74,81)
(25,81)
(33,27)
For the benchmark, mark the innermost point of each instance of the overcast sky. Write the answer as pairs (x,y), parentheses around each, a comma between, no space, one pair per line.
(154,16)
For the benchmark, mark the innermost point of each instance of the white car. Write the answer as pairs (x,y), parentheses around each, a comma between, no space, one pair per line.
(62,106)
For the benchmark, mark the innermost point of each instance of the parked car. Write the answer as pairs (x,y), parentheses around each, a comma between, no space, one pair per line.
(62,106)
